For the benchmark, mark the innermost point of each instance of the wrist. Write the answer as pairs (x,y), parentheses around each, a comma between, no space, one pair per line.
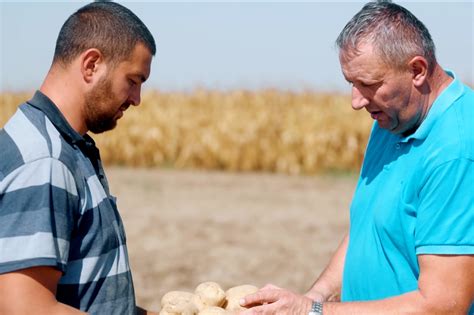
(319,292)
(324,293)
(316,295)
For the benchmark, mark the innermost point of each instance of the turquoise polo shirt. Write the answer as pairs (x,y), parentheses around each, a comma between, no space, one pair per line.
(415,195)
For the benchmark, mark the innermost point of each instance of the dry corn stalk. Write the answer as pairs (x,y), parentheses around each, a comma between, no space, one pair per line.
(268,130)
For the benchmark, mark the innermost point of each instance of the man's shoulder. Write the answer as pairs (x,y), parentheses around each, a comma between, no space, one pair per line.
(29,136)
(452,136)
(463,109)
(463,104)
(454,131)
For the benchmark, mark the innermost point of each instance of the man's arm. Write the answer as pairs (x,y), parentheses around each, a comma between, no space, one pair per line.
(445,286)
(32,290)
(328,286)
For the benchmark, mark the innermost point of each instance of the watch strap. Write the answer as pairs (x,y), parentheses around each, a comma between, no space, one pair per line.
(316,308)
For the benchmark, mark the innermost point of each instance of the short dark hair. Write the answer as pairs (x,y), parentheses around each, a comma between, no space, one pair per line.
(107,26)
(396,34)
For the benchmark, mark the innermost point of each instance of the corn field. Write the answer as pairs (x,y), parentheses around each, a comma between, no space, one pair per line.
(268,130)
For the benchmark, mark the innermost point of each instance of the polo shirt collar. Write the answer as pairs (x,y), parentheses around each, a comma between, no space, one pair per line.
(447,97)
(44,104)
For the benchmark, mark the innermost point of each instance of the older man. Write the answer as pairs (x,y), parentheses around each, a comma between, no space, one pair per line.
(62,243)
(410,246)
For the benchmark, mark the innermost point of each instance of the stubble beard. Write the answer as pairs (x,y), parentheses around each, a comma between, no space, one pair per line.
(99,117)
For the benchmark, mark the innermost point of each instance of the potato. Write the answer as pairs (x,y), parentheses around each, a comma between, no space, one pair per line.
(233,296)
(174,296)
(178,303)
(209,299)
(213,310)
(179,307)
(181,312)
(209,294)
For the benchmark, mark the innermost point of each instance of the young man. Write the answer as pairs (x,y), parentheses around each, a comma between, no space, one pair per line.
(62,243)
(411,241)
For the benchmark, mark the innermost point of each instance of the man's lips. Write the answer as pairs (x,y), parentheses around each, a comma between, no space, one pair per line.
(122,109)
(120,112)
(376,114)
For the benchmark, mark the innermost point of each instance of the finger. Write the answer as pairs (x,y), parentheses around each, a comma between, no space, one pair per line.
(260,297)
(270,286)
(260,310)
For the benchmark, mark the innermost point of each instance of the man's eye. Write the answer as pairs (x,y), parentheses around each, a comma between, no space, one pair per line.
(132,82)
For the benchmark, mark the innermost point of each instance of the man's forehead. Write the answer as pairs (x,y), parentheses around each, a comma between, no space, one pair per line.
(362,48)
(364,54)
(365,65)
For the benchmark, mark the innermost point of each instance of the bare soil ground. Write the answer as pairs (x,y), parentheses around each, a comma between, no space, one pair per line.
(187,227)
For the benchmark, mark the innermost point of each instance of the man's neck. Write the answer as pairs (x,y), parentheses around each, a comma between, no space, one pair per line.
(60,89)
(438,81)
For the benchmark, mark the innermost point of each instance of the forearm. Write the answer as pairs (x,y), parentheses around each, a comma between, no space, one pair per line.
(60,309)
(54,308)
(445,286)
(32,290)
(410,303)
(329,282)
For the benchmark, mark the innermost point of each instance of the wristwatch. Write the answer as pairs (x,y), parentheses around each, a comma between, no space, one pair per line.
(316,308)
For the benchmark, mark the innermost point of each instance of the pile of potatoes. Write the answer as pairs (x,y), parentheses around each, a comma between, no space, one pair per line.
(208,299)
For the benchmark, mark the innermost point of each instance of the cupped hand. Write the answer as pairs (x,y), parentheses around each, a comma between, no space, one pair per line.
(274,300)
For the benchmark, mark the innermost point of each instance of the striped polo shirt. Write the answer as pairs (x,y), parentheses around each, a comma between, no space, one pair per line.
(56,210)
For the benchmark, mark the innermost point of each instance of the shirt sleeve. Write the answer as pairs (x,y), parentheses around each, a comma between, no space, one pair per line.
(445,217)
(38,204)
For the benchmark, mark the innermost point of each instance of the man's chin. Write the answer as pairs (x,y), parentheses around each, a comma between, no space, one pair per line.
(394,129)
(384,124)
(103,127)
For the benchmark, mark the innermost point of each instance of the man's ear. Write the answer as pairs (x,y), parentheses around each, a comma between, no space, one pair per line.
(92,64)
(419,69)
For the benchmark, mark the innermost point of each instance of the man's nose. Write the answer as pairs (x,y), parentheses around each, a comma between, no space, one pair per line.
(359,101)
(135,96)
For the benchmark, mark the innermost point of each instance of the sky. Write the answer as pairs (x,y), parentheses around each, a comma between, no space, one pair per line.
(230,45)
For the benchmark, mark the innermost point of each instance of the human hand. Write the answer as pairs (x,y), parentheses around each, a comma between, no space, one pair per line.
(274,300)
(319,294)
(315,296)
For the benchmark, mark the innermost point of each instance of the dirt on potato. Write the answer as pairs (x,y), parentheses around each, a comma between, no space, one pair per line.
(188,227)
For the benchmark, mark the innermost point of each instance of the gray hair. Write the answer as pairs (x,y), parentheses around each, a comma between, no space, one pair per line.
(395,33)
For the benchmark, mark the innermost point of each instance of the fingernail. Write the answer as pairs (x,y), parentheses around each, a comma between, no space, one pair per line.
(242,302)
